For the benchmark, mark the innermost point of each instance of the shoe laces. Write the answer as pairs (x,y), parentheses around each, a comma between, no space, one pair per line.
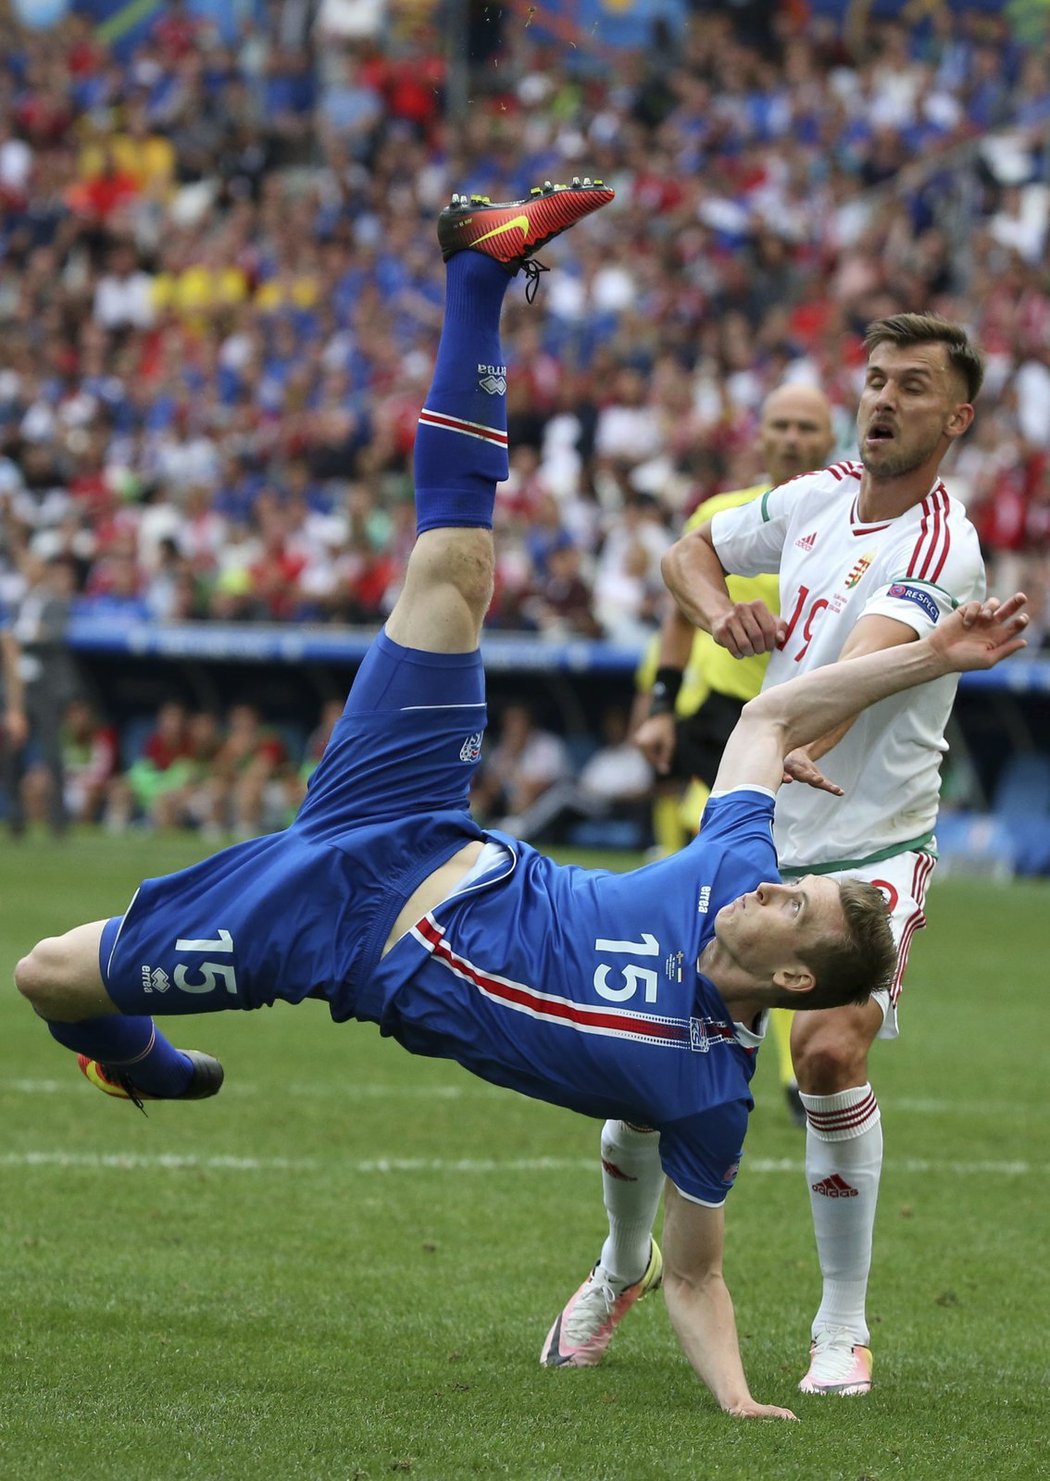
(592,1307)
(833,1351)
(533,271)
(130,1090)
(835,1337)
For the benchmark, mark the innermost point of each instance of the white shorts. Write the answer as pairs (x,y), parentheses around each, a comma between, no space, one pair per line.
(903,880)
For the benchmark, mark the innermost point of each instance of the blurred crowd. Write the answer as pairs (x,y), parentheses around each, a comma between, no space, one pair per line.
(220,291)
(233,776)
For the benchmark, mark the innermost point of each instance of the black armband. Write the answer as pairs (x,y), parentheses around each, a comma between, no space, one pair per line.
(665,690)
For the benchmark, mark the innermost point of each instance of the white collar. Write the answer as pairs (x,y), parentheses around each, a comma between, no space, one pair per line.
(748,1037)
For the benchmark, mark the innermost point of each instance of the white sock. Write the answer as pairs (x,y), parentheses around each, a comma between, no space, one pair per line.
(843,1163)
(632,1181)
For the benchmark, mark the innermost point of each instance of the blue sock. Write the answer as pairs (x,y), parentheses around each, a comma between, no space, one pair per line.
(132,1046)
(461,442)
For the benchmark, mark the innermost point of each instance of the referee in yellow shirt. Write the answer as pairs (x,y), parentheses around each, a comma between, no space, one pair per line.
(698,690)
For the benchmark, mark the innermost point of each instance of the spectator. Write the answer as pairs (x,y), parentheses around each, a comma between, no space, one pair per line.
(124,295)
(49,678)
(248,775)
(561,603)
(525,761)
(14,727)
(614,782)
(90,757)
(152,787)
(628,587)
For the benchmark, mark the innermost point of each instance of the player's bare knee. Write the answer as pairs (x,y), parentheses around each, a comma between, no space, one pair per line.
(36,974)
(460,558)
(467,564)
(825,1065)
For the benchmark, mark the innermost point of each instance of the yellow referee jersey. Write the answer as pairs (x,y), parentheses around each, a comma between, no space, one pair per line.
(711,668)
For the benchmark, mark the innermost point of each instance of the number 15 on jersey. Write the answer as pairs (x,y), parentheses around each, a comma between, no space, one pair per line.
(631,975)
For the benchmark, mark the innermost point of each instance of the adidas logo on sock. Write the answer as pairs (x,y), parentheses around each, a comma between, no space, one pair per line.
(834,1187)
(806,542)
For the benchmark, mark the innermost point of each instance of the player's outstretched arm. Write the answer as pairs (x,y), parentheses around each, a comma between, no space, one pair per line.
(700,1306)
(696,579)
(976,636)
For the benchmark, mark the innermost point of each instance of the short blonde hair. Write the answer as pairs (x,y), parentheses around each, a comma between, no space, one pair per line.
(857,962)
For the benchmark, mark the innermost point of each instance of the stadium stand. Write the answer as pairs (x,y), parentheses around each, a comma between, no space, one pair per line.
(217,323)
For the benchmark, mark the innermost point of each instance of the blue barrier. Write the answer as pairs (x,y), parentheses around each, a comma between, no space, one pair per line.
(287,643)
(504,652)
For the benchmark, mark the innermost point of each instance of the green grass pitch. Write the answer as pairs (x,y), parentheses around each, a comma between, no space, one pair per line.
(345,1265)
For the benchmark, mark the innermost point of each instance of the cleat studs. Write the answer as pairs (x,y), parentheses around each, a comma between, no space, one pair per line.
(586,180)
(536,190)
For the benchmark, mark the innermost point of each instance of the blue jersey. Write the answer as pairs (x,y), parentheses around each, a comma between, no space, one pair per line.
(578,987)
(581,987)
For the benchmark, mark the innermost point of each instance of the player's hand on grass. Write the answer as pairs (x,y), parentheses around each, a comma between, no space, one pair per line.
(748,628)
(979,635)
(751,1409)
(800,767)
(655,738)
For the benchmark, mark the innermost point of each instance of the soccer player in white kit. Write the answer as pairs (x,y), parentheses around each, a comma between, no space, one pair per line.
(870,554)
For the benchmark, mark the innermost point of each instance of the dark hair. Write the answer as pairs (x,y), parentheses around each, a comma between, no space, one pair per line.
(923,329)
(849,967)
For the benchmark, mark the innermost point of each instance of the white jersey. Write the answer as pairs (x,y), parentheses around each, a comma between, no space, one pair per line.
(833,571)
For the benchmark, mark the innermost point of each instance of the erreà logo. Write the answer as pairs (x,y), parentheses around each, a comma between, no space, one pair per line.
(493,379)
(858,570)
(704,901)
(155,979)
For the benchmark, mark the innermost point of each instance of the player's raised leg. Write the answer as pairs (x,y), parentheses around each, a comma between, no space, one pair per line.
(461,443)
(460,457)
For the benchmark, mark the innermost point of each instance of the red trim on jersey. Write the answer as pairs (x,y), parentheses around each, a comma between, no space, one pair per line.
(939,567)
(845,469)
(859,529)
(430,418)
(618,1022)
(932,546)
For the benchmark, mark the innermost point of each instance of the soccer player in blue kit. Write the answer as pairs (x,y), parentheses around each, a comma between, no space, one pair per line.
(640,995)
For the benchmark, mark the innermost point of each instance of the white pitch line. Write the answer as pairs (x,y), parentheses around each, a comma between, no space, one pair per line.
(348,1090)
(327,1090)
(181,1162)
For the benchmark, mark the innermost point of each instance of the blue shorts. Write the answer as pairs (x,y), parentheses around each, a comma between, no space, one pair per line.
(306,912)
